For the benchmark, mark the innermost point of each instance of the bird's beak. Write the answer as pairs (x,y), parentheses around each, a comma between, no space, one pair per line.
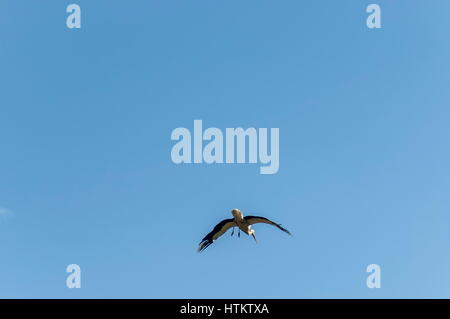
(253,234)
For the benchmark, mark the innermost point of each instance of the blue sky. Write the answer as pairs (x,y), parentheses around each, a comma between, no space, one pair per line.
(85,169)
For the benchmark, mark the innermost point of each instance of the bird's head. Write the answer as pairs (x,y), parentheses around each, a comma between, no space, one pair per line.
(253,233)
(237,213)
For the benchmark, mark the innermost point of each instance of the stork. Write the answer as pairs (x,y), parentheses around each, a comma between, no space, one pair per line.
(239,221)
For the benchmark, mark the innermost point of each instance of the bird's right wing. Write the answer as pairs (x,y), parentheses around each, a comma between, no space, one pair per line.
(258,219)
(218,231)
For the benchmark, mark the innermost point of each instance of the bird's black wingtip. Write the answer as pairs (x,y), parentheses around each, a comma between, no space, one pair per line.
(203,245)
(284,229)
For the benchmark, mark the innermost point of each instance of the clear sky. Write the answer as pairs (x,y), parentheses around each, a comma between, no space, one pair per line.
(86,175)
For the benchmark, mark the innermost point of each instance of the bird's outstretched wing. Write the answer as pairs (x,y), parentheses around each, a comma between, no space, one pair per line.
(258,219)
(218,231)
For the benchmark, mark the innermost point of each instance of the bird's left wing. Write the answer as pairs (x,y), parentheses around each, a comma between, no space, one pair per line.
(218,231)
(258,219)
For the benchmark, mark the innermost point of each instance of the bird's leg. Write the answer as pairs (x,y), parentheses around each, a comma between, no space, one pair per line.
(232,232)
(239,233)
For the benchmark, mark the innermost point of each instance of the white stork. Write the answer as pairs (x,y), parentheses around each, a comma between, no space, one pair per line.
(243,223)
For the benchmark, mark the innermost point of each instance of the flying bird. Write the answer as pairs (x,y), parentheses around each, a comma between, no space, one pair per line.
(238,220)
